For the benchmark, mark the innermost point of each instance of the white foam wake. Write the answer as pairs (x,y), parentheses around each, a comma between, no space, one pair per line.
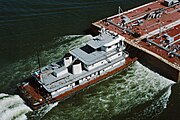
(43,111)
(155,108)
(3,95)
(12,107)
(49,107)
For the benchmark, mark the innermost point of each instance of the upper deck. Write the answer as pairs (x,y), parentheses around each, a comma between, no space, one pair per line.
(98,48)
(84,60)
(153,28)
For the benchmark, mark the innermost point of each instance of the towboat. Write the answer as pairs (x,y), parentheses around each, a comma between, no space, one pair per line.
(101,56)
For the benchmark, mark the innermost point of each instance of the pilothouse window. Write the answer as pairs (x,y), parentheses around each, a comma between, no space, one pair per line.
(99,49)
(109,46)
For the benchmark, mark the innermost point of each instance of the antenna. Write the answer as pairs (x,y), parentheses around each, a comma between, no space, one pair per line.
(120,10)
(39,65)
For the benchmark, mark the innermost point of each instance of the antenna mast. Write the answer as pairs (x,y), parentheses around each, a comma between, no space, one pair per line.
(120,10)
(39,65)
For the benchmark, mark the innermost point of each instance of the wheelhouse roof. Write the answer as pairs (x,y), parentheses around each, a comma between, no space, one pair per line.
(104,39)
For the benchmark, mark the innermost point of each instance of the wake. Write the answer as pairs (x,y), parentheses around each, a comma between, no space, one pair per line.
(12,107)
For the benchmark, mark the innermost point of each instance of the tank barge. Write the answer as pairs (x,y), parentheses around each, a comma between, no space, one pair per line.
(100,57)
(152,32)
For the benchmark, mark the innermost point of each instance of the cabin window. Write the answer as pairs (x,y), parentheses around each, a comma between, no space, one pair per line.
(120,43)
(99,49)
(67,58)
(77,83)
(85,66)
(98,73)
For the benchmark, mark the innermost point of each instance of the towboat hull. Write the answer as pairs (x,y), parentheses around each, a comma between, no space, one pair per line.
(27,91)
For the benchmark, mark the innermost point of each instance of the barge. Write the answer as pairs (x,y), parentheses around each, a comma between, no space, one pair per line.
(88,63)
(152,32)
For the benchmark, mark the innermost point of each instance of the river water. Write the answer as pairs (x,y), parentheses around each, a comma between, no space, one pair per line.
(51,28)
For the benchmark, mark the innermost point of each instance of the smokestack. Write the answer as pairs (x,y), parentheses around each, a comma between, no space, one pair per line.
(77,67)
(67,60)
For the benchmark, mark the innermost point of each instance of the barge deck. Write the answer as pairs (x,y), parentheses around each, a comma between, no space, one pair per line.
(152,29)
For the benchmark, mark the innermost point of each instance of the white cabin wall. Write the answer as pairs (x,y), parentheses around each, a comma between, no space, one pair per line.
(67,61)
(60,73)
(77,68)
(84,80)
(106,69)
(115,56)
(90,67)
(123,61)
(111,48)
(60,91)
